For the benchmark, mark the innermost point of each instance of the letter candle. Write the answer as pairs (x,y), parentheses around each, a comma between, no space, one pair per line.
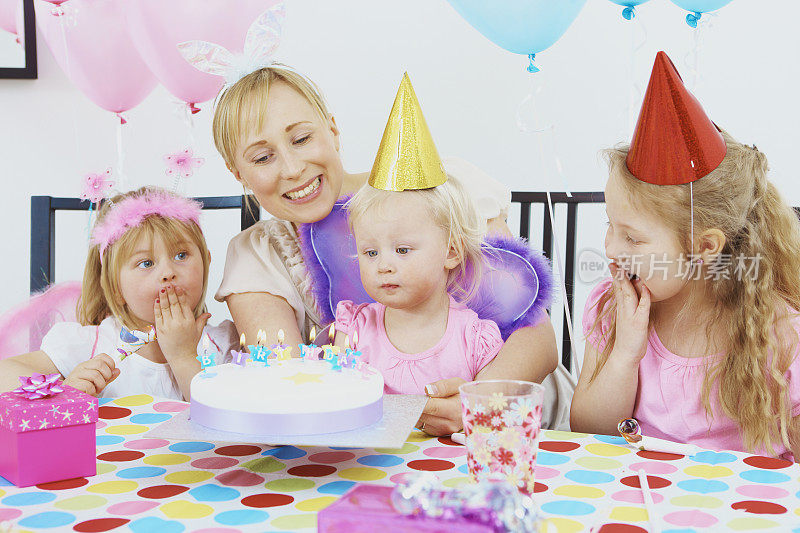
(240,356)
(330,349)
(281,351)
(310,351)
(353,355)
(207,359)
(339,361)
(259,352)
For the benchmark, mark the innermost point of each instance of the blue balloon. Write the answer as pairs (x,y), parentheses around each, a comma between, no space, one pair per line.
(701,6)
(520,26)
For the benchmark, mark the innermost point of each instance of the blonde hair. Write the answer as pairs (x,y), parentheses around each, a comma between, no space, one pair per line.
(755,312)
(240,108)
(452,210)
(100,291)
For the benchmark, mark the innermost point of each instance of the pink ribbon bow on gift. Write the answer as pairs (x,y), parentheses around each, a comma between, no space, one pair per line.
(39,386)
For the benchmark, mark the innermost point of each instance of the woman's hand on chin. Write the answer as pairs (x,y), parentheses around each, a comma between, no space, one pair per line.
(442,413)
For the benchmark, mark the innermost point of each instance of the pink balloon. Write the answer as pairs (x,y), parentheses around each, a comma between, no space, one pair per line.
(8,15)
(96,52)
(157,26)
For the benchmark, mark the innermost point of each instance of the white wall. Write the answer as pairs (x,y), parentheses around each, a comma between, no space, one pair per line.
(357,50)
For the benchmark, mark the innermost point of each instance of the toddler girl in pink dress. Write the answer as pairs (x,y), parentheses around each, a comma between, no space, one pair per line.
(418,240)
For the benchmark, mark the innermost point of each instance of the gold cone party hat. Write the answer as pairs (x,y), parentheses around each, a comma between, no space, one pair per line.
(407,158)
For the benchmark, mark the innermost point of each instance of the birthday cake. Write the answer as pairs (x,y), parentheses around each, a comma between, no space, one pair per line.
(286,397)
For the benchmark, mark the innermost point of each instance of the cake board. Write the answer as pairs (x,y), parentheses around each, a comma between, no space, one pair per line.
(400,413)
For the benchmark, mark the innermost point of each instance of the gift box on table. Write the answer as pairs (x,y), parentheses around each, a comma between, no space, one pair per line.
(48,438)
(368,508)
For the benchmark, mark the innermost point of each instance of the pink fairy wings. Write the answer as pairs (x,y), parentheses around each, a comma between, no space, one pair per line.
(262,39)
(23,328)
(131,211)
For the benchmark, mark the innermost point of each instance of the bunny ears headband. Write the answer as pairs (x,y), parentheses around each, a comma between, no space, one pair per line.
(263,37)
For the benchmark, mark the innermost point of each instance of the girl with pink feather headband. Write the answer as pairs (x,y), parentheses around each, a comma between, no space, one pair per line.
(141,313)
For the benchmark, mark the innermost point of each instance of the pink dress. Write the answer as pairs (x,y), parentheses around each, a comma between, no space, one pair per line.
(669,402)
(468,344)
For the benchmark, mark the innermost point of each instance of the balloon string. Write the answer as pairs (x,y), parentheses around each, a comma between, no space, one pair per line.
(635,89)
(557,254)
(692,58)
(527,123)
(188,116)
(75,137)
(696,50)
(121,157)
(557,159)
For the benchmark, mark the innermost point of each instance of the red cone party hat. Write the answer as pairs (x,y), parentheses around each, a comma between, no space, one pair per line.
(674,142)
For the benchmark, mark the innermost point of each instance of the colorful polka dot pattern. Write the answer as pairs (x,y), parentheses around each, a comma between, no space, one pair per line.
(582,482)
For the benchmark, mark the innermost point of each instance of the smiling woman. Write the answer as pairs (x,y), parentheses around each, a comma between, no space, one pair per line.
(279,140)
(292,161)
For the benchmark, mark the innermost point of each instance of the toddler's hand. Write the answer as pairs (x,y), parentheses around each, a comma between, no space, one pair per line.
(633,315)
(94,375)
(177,330)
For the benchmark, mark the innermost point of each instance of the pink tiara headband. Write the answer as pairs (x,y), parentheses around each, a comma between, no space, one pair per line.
(131,212)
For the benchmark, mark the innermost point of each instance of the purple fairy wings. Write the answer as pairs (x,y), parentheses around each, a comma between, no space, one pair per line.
(515,289)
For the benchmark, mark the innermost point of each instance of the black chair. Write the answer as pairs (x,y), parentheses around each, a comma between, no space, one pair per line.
(43,228)
(572,201)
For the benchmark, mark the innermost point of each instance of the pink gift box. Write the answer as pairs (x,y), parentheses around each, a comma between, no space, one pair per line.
(47,439)
(368,508)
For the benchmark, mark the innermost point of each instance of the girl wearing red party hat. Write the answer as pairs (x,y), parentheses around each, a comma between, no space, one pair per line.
(696,333)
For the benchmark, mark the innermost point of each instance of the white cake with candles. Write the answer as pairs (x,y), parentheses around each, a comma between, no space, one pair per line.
(267,392)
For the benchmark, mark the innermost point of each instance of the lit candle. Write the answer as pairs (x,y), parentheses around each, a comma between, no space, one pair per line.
(330,349)
(352,355)
(310,351)
(281,351)
(207,358)
(259,352)
(240,356)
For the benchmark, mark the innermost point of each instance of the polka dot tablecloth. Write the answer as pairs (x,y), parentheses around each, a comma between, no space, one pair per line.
(583,482)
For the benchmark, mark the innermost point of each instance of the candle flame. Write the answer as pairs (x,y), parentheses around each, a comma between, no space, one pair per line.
(355,339)
(261,337)
(205,342)
(241,341)
(313,335)
(280,336)
(331,334)
(347,341)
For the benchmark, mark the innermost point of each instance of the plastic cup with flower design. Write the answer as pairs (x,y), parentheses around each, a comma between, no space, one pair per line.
(502,422)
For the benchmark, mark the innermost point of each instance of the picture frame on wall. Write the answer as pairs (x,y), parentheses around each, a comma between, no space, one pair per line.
(17,40)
